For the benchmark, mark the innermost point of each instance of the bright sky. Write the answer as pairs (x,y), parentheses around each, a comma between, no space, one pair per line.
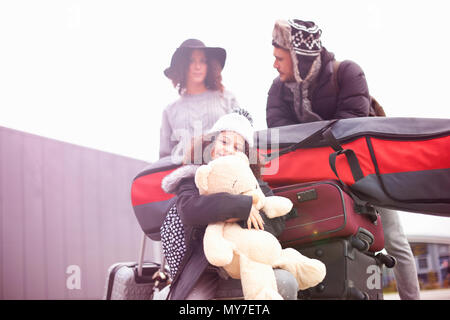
(91,72)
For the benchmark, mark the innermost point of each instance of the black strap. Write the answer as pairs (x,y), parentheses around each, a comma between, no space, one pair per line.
(336,65)
(112,274)
(352,161)
(361,206)
(331,140)
(349,154)
(313,138)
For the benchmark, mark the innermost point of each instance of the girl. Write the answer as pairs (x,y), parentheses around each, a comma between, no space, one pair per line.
(183,230)
(195,70)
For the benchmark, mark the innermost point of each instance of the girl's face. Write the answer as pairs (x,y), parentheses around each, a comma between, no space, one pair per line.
(198,67)
(227,143)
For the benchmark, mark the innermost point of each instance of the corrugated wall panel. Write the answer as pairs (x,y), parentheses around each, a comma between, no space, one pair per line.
(73,228)
(34,246)
(64,209)
(91,282)
(13,216)
(54,219)
(108,225)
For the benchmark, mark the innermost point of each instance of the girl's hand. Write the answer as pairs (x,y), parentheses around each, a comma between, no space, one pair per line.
(255,219)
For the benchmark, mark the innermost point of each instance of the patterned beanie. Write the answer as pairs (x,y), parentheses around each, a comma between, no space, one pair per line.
(302,39)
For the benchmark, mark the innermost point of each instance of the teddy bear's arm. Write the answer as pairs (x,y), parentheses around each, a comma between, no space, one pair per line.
(276,206)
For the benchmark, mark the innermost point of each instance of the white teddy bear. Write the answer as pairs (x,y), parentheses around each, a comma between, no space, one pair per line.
(250,254)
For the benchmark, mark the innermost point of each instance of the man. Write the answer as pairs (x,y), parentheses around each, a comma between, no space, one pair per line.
(306,90)
(313,87)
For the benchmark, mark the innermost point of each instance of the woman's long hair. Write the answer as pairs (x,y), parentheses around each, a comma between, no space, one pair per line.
(213,80)
(199,152)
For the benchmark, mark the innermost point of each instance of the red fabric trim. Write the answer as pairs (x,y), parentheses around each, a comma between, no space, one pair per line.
(312,164)
(407,156)
(147,189)
(305,165)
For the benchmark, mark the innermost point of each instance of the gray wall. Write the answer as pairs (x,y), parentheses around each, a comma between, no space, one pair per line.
(63,205)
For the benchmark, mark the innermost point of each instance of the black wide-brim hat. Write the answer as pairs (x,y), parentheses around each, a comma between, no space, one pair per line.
(216,53)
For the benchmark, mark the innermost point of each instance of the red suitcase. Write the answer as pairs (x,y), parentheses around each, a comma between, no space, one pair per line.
(324,210)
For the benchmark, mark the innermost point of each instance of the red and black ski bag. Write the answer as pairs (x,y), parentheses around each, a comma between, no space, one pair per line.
(398,163)
(150,202)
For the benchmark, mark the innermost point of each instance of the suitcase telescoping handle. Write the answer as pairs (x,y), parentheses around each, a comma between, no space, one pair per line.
(160,275)
(141,254)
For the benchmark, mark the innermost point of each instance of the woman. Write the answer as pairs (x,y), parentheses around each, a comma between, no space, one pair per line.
(195,70)
(183,230)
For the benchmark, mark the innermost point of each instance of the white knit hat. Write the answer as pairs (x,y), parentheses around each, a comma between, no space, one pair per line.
(234,122)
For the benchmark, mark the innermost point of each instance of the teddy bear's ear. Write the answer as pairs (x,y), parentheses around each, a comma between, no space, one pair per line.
(201,178)
(243,156)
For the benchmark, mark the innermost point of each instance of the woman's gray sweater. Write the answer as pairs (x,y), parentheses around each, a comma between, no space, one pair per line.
(191,116)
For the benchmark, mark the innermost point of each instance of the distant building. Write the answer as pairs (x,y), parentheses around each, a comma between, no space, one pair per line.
(432,257)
